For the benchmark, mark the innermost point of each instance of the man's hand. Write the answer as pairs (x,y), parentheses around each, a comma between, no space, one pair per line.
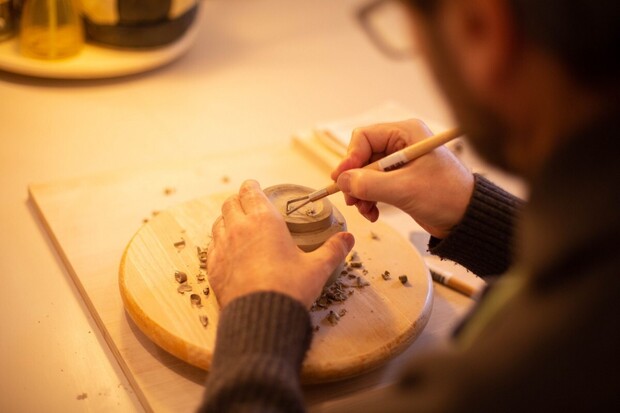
(434,189)
(252,250)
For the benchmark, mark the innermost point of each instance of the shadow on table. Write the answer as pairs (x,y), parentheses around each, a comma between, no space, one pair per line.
(169,361)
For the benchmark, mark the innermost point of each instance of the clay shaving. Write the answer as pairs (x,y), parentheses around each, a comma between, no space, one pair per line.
(180,244)
(185,286)
(339,291)
(361,283)
(202,257)
(332,318)
(195,300)
(169,190)
(335,293)
(180,276)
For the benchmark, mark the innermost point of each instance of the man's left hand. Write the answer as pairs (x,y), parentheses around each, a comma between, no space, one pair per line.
(252,250)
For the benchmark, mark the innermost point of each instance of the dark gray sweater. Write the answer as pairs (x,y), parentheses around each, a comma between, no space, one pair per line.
(547,340)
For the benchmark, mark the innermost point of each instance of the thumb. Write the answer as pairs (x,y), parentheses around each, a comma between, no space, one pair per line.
(334,250)
(369,185)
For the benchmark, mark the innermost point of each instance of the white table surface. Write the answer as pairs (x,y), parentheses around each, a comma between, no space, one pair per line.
(260,71)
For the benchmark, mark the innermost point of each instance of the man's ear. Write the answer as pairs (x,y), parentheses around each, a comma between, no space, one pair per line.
(482,38)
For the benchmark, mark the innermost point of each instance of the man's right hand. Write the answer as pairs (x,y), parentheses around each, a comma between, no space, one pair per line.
(434,189)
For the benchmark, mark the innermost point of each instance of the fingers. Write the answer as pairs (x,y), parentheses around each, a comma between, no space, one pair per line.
(334,250)
(352,160)
(368,209)
(350,200)
(231,209)
(253,199)
(217,237)
(376,141)
(370,185)
(217,230)
(373,214)
(359,152)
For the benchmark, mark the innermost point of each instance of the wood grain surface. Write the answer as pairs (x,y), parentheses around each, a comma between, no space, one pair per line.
(381,319)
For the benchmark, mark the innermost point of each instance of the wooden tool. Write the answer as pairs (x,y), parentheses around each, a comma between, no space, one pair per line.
(389,163)
(454,283)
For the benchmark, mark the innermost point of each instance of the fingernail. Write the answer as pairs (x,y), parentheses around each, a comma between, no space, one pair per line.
(344,182)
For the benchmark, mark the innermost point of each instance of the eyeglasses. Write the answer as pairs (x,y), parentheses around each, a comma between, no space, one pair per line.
(388,25)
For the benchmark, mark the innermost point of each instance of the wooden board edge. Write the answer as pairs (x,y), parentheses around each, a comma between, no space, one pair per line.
(397,348)
(89,304)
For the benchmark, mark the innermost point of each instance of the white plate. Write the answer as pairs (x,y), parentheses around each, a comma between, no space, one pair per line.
(95,62)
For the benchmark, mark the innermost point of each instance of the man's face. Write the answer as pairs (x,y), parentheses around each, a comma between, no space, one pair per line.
(485,129)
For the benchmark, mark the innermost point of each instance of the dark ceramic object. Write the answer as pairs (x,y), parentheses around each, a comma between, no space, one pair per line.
(141,24)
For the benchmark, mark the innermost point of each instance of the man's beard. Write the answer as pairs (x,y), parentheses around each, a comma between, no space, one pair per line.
(485,130)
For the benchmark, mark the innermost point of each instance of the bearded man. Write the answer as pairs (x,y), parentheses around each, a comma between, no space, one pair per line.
(534,85)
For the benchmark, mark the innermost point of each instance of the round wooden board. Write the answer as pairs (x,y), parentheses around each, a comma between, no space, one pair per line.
(381,319)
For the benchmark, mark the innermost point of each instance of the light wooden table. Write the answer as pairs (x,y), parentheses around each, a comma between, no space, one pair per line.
(260,70)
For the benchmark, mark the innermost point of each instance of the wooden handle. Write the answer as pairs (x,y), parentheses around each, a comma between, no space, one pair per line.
(332,189)
(405,155)
(411,152)
(461,286)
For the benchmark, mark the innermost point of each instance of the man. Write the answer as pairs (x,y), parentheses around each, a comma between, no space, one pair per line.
(534,84)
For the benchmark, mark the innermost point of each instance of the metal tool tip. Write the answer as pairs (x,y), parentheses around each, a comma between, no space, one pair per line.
(290,201)
(290,211)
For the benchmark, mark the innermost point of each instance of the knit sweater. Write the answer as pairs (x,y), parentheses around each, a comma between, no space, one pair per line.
(483,242)
(551,346)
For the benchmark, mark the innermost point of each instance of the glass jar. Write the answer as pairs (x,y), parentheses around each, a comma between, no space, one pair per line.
(50,29)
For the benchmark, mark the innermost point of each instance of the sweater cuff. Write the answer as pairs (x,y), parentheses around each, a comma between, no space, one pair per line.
(267,323)
(483,242)
(262,339)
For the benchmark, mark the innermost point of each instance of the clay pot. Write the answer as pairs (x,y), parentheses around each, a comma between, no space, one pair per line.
(311,225)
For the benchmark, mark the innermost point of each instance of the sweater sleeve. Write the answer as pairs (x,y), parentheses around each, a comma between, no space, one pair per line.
(483,242)
(261,342)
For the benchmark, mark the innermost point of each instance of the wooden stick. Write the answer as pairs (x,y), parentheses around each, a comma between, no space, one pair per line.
(453,282)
